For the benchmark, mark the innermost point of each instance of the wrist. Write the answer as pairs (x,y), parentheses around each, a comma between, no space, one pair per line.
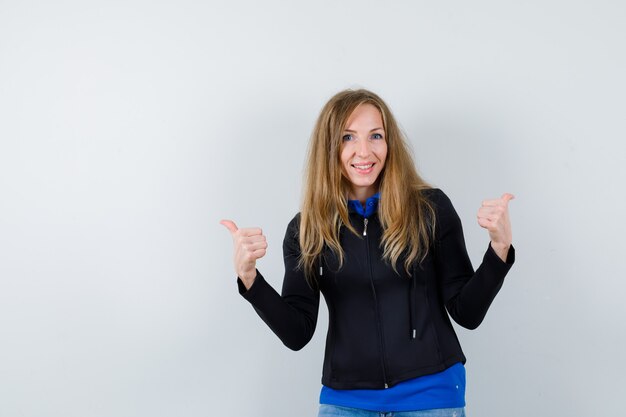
(248,278)
(499,246)
(501,249)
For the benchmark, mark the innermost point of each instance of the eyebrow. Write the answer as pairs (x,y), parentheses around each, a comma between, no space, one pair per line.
(354,131)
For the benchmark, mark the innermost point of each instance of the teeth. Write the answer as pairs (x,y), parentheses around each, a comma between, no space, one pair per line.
(363,166)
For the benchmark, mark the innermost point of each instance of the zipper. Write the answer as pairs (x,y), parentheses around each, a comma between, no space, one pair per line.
(378,325)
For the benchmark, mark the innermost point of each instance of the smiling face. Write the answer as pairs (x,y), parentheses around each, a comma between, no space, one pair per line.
(363,151)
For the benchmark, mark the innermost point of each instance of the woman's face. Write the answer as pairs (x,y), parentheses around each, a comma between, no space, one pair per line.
(363,151)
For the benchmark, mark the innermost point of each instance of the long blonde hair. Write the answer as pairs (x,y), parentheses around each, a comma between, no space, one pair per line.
(407,217)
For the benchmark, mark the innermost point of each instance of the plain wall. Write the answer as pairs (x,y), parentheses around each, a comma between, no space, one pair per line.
(128,129)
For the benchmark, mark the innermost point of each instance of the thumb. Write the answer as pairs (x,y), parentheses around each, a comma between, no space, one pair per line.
(507,197)
(230,225)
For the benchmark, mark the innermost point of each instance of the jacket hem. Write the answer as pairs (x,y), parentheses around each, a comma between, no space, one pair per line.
(392,381)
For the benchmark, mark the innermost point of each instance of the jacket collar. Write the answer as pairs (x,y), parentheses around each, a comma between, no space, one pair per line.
(371,205)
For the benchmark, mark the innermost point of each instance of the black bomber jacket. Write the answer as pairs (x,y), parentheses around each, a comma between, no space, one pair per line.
(384,327)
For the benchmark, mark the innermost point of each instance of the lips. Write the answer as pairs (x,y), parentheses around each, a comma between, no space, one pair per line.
(363,168)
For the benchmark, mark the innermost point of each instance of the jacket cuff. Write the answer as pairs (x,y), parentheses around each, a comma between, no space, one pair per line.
(256,287)
(492,258)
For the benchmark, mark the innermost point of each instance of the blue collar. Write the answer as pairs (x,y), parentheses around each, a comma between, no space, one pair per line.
(371,204)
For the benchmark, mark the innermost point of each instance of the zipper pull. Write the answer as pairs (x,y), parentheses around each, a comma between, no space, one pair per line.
(365,227)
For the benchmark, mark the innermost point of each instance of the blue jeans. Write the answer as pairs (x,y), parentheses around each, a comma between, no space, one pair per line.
(337,411)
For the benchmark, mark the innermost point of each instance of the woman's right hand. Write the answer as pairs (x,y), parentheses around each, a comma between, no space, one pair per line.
(250,245)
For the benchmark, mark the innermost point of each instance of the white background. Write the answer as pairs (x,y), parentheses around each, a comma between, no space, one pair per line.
(128,129)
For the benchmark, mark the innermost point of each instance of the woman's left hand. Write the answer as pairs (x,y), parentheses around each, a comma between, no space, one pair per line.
(493,215)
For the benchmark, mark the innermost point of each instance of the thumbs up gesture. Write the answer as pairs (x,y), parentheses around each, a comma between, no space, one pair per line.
(493,215)
(249,245)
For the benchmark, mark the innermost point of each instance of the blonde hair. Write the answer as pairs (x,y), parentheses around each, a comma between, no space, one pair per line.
(407,217)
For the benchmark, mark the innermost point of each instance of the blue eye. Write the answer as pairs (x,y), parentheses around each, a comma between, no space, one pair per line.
(377,136)
(347,138)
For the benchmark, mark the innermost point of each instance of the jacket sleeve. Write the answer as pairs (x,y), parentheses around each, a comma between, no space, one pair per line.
(292,316)
(467,294)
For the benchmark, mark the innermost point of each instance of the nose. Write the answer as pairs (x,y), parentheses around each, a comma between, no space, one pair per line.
(363,148)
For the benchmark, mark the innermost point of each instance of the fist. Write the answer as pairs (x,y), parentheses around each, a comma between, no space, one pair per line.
(493,215)
(249,245)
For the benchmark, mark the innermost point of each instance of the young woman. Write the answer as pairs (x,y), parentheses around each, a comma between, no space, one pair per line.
(387,252)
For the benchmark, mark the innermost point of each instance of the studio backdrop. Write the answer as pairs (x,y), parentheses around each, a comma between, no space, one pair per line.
(129,129)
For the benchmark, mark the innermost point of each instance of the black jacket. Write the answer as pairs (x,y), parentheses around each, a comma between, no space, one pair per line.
(384,327)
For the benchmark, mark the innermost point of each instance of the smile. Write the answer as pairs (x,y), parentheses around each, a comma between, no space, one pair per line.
(365,169)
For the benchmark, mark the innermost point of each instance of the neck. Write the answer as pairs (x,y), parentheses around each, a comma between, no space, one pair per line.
(361,195)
